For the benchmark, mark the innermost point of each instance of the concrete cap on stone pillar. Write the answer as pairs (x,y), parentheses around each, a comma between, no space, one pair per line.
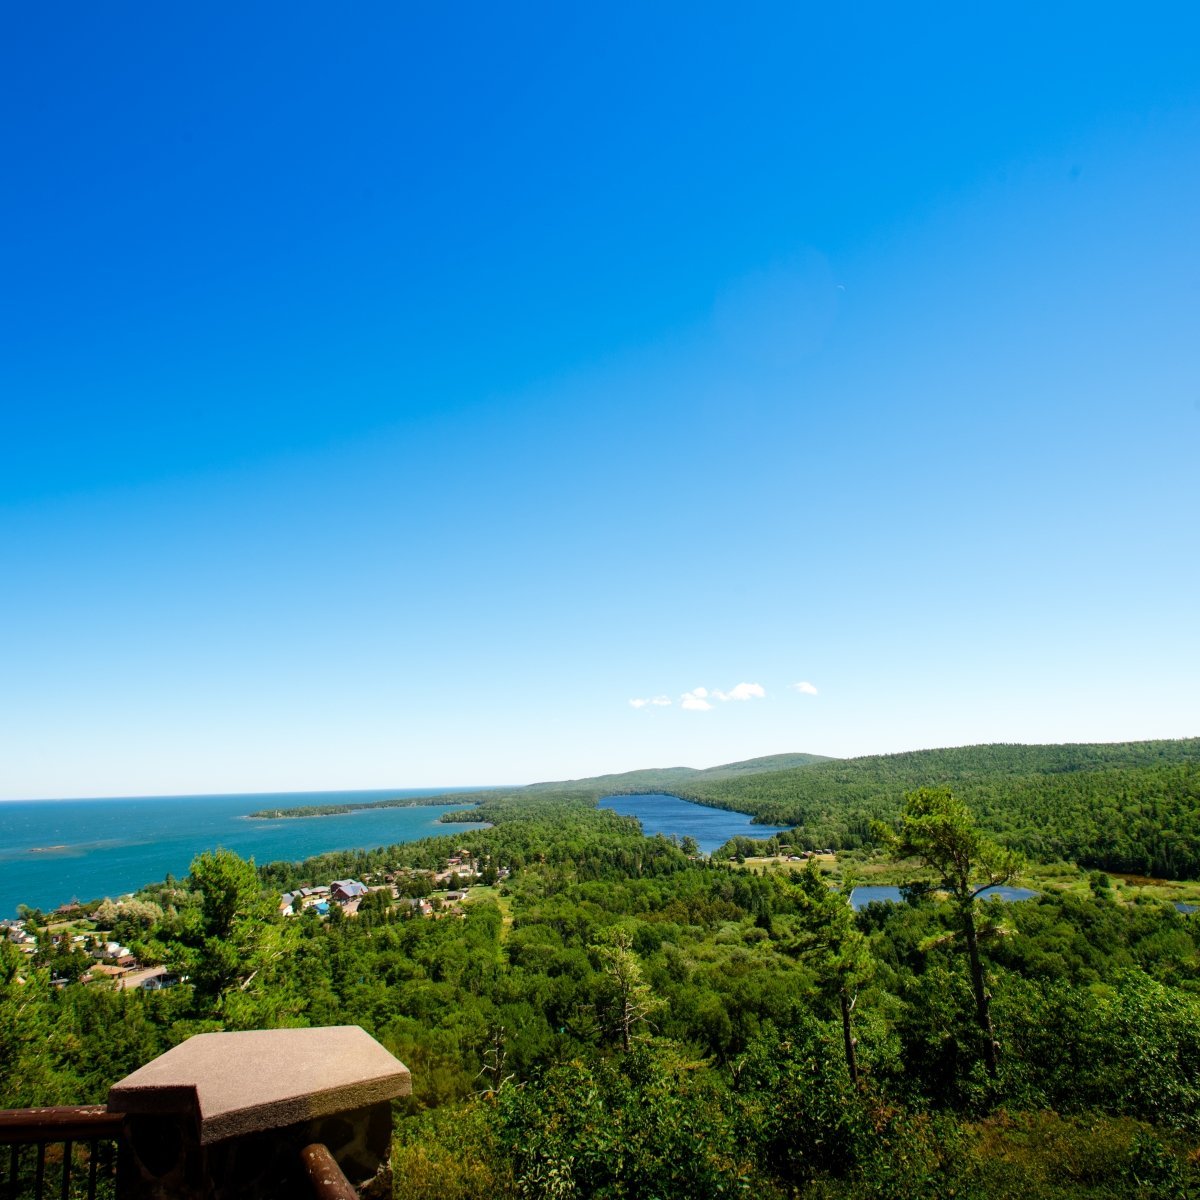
(240,1083)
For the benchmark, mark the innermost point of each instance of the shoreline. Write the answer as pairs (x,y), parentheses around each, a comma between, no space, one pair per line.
(46,873)
(305,812)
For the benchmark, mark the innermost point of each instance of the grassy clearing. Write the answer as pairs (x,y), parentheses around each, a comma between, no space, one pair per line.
(504,901)
(1046,877)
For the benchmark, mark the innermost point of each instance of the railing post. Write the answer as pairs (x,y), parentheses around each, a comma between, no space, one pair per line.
(328,1180)
(226,1115)
(61,1126)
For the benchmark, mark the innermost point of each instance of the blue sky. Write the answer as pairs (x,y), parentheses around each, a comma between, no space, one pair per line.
(388,398)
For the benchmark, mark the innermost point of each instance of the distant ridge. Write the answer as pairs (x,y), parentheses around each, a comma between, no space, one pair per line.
(665,778)
(675,776)
(1117,806)
(1121,806)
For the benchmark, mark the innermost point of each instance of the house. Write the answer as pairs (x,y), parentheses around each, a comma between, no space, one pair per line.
(100,971)
(347,889)
(156,983)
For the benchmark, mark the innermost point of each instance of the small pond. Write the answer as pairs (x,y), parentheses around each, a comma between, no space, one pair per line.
(711,827)
(862,896)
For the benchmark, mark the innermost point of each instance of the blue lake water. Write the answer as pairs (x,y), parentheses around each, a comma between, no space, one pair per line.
(52,851)
(862,896)
(711,827)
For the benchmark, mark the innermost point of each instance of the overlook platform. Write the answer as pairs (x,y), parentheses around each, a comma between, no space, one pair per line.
(254,1115)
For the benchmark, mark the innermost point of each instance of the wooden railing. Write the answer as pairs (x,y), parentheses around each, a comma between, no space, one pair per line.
(75,1151)
(184,1126)
(326,1177)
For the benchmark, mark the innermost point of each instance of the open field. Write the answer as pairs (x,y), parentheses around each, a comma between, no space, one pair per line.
(480,892)
(1060,877)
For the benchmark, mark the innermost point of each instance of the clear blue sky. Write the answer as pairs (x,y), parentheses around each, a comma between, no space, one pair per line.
(392,395)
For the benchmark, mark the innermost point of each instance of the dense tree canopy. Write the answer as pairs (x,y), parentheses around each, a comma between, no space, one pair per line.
(616,1017)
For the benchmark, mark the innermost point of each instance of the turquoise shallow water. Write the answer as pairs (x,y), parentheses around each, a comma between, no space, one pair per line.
(711,827)
(52,851)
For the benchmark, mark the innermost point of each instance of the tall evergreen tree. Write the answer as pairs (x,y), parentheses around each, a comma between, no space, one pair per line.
(937,830)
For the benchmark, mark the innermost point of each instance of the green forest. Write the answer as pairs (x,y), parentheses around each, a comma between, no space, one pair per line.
(1125,806)
(610,1015)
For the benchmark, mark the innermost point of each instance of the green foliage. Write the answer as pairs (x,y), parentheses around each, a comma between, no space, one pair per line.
(937,829)
(232,946)
(1130,1047)
(830,940)
(726,988)
(649,1125)
(1131,807)
(451,1155)
(229,892)
(628,1000)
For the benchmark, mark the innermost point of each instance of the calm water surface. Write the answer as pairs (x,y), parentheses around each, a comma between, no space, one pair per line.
(862,896)
(52,851)
(711,827)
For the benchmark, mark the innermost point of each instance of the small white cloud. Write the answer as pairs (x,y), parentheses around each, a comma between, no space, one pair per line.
(804,687)
(638,703)
(701,692)
(743,691)
(694,701)
(662,701)
(657,701)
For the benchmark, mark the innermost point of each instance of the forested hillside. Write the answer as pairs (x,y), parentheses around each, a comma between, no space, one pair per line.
(667,778)
(1127,806)
(652,779)
(1122,806)
(613,1018)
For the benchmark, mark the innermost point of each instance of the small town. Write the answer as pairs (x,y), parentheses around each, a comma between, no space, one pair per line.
(86,943)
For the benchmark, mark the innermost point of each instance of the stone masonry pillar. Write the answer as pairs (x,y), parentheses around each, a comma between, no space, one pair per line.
(226,1115)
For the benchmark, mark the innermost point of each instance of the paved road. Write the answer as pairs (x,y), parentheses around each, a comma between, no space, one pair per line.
(134,978)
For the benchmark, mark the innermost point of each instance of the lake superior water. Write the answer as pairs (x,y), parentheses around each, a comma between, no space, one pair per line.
(711,827)
(53,851)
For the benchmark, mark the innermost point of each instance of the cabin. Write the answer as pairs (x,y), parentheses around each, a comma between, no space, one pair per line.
(347,889)
(157,983)
(100,971)
(113,950)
